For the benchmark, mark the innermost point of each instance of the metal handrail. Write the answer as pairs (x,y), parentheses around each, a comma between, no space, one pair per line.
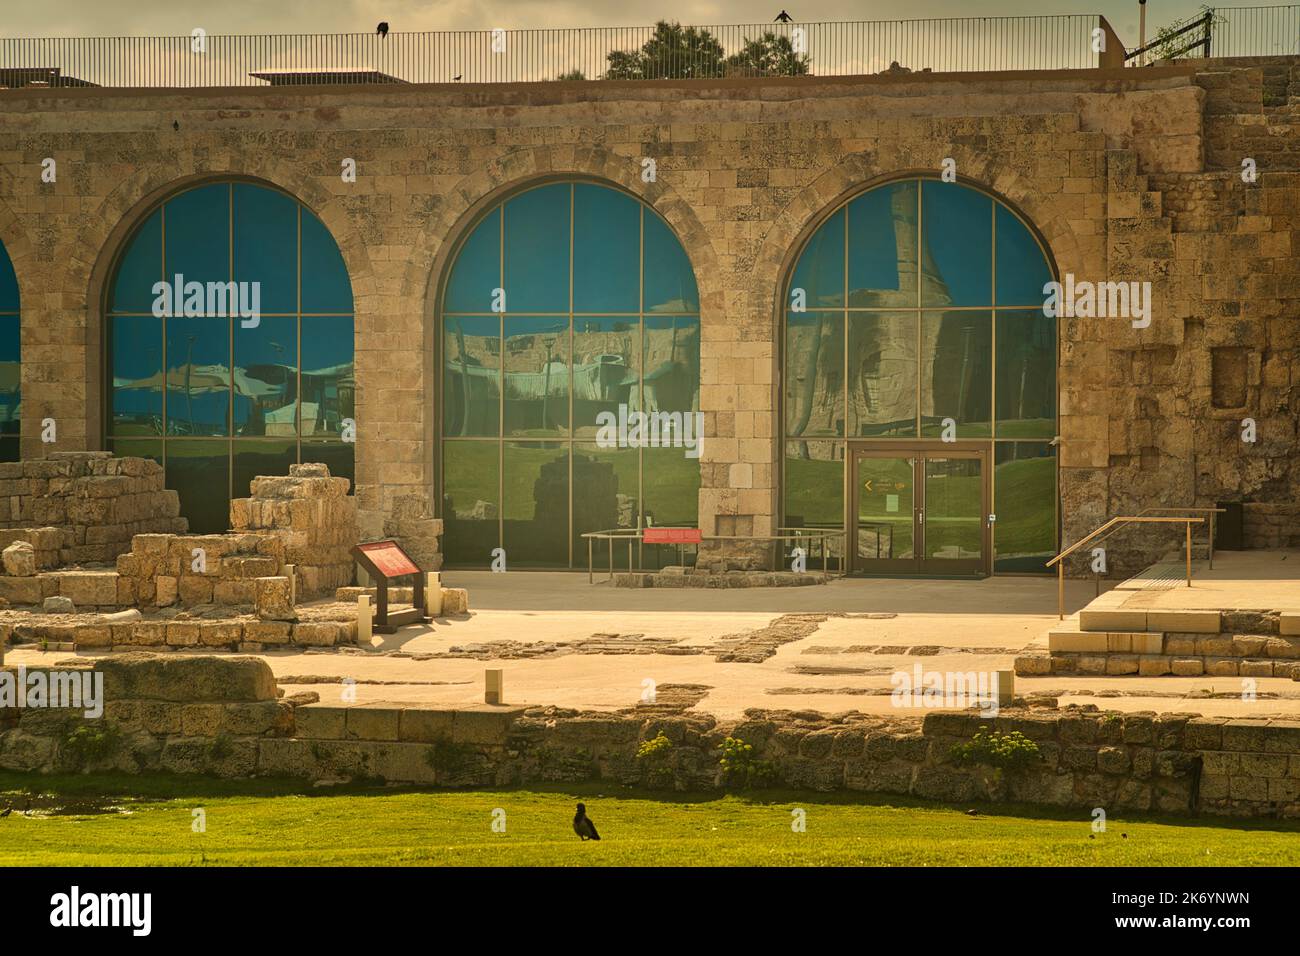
(634,534)
(1105,529)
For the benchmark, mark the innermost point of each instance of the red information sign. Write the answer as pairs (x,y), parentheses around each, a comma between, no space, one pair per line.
(672,536)
(388,558)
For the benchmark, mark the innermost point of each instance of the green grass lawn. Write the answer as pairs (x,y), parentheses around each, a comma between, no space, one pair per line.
(280,823)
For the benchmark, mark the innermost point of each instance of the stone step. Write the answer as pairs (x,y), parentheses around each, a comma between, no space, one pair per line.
(1143,619)
(1289,623)
(1067,640)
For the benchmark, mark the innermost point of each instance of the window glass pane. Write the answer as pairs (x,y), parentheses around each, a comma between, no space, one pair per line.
(137,360)
(672,364)
(266,245)
(669,279)
(199,471)
(606,369)
(1026,372)
(8,283)
(814,374)
(325,285)
(537,250)
(606,250)
(139,269)
(197,233)
(10,374)
(266,377)
(470,501)
(537,375)
(10,449)
(261,457)
(1022,267)
(814,484)
(820,271)
(198,376)
(137,448)
(477,271)
(327,377)
(882,247)
(471,376)
(671,485)
(957,245)
(1024,494)
(605,497)
(536,510)
(882,374)
(956,372)
(339,456)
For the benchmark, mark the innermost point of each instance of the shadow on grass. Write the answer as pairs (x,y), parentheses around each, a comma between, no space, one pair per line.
(157,788)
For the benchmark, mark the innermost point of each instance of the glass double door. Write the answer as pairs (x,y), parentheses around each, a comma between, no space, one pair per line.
(919,509)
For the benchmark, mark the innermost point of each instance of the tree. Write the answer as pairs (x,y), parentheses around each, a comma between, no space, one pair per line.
(674,52)
(574,74)
(769,55)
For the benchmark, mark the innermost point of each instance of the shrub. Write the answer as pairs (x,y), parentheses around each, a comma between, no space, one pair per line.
(90,744)
(657,748)
(1013,751)
(740,768)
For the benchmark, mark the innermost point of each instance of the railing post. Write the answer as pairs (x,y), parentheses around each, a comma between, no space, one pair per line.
(1211,548)
(1189,554)
(1060,590)
(591,572)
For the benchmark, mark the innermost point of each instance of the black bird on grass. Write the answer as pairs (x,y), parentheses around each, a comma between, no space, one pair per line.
(783,17)
(583,826)
(382,29)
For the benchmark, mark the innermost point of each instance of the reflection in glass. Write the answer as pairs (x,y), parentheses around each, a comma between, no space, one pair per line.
(325,285)
(136,399)
(339,456)
(328,386)
(606,495)
(957,245)
(1022,269)
(266,377)
(537,375)
(10,360)
(882,374)
(672,364)
(820,270)
(814,484)
(477,270)
(198,376)
(196,230)
(253,458)
(137,448)
(1026,380)
(199,471)
(139,269)
(537,250)
(471,376)
(606,368)
(470,501)
(1024,495)
(668,278)
(956,372)
(814,379)
(606,250)
(535,529)
(886,492)
(266,245)
(954,504)
(883,247)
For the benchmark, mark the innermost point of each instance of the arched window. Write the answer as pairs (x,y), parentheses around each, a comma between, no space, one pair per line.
(10,360)
(567,303)
(914,314)
(229,341)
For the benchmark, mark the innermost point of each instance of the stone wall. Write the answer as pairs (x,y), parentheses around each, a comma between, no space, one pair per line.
(222,716)
(1271,525)
(96,502)
(1127,174)
(312,518)
(163,570)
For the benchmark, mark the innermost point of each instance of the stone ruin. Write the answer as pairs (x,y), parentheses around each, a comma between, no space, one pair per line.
(147,583)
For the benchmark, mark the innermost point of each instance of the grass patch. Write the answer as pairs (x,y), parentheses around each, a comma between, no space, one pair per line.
(270,822)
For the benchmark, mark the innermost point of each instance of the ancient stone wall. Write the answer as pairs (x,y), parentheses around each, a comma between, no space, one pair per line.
(223,716)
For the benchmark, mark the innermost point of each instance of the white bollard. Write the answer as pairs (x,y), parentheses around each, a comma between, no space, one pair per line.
(493,686)
(433,594)
(365,620)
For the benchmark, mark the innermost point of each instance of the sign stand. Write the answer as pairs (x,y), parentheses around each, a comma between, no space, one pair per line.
(385,562)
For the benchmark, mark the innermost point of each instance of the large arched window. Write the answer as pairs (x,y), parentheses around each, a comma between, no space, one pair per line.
(565,301)
(10,360)
(199,382)
(914,314)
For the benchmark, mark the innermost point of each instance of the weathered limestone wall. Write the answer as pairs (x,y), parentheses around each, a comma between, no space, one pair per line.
(1128,174)
(222,716)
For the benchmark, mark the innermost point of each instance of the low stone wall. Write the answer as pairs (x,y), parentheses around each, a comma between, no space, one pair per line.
(96,501)
(313,517)
(222,716)
(679,577)
(161,569)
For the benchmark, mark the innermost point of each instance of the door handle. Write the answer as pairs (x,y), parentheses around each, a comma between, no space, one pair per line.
(920,517)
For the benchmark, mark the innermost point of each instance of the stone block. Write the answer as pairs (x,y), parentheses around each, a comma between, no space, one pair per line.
(141,676)
(1112,619)
(274,599)
(1187,666)
(19,559)
(368,722)
(1183,622)
(320,721)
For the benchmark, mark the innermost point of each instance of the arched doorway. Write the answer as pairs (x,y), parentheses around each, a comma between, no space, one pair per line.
(199,382)
(10,360)
(919,383)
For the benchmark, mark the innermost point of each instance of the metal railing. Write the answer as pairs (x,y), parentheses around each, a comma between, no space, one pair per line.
(664,51)
(1225,32)
(775,543)
(1146,516)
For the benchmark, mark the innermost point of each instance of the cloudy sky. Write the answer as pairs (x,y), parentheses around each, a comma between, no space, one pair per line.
(179,17)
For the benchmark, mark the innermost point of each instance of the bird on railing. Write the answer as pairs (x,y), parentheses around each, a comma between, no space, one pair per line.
(456,78)
(783,17)
(382,29)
